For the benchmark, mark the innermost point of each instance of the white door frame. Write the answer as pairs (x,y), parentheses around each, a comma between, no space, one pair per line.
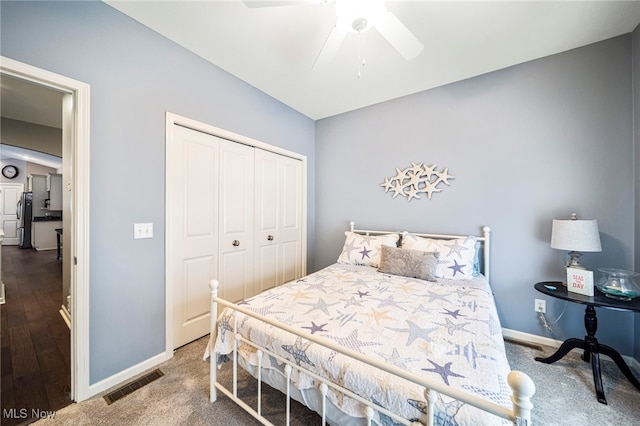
(173,119)
(75,114)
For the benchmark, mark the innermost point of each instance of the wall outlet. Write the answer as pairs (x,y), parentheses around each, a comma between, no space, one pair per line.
(142,230)
(540,306)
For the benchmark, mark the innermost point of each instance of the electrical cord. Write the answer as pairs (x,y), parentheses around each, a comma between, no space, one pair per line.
(548,325)
(561,313)
(543,319)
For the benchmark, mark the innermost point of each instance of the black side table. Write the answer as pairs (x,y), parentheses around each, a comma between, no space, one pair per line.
(592,349)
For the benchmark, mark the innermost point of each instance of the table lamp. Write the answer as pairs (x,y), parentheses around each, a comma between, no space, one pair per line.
(575,235)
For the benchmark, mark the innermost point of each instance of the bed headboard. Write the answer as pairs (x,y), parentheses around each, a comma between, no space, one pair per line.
(484,238)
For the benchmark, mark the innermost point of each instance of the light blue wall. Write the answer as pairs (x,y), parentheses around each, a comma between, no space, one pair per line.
(136,76)
(526,144)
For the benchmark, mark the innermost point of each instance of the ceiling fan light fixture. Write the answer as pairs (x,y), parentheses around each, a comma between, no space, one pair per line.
(358,16)
(359,25)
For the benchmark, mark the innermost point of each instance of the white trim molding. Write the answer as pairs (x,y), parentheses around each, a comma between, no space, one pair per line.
(129,373)
(76,114)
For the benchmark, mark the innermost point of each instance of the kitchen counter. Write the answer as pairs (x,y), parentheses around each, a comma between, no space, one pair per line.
(43,235)
(47,218)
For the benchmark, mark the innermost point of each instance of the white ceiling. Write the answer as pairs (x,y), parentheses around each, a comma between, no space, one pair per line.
(14,152)
(274,48)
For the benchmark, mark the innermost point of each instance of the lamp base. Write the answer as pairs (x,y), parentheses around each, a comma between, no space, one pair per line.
(574,260)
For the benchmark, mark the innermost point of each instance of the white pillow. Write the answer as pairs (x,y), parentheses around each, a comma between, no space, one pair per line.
(456,256)
(365,249)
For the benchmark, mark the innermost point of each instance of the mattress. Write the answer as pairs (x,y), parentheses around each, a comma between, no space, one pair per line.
(446,331)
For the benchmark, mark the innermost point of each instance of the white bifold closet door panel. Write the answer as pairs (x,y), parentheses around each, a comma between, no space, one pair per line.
(278,219)
(236,221)
(234,213)
(194,212)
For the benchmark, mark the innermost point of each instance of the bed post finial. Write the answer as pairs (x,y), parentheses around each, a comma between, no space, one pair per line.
(523,389)
(352,224)
(213,285)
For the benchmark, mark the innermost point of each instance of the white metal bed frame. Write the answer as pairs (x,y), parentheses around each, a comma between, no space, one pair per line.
(521,385)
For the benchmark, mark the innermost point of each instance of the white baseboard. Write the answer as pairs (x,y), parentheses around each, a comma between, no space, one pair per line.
(540,340)
(121,377)
(530,338)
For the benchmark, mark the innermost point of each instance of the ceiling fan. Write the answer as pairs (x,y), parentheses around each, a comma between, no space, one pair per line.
(357,16)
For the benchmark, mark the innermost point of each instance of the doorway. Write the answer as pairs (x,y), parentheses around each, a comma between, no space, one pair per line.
(75,198)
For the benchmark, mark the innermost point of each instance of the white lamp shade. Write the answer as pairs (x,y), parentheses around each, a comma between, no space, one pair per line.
(575,235)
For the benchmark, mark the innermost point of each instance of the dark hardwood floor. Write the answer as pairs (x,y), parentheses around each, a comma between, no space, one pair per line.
(35,348)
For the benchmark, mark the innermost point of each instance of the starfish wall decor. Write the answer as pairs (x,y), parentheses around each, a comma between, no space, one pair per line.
(415,180)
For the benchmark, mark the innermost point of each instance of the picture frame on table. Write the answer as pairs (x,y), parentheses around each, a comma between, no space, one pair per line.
(580,281)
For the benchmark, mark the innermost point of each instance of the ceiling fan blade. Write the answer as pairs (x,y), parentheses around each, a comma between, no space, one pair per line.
(266,3)
(331,46)
(399,36)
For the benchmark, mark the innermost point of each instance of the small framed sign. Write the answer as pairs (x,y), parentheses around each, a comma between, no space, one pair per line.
(580,281)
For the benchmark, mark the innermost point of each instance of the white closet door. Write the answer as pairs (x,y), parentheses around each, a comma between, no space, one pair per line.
(236,221)
(291,219)
(278,219)
(267,232)
(193,208)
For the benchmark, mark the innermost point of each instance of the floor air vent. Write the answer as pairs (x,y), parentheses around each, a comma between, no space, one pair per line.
(125,390)
(523,343)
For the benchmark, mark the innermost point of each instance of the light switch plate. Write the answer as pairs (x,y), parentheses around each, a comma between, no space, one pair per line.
(142,230)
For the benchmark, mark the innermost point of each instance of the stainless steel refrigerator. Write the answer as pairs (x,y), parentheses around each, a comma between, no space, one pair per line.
(24,211)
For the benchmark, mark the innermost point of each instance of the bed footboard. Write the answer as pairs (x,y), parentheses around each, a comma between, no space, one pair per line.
(521,385)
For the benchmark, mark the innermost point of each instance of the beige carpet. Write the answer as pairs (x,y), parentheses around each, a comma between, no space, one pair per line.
(565,396)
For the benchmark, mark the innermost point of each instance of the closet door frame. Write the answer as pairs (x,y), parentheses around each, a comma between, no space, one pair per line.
(175,119)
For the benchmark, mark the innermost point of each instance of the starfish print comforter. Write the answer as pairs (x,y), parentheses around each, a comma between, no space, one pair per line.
(446,331)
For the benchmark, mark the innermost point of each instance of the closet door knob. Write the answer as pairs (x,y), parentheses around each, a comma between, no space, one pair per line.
(270,238)
(235,243)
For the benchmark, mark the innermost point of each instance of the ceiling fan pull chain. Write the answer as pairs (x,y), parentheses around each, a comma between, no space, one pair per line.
(361,60)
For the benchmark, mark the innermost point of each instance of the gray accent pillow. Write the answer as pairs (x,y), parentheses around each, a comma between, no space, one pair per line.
(409,263)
